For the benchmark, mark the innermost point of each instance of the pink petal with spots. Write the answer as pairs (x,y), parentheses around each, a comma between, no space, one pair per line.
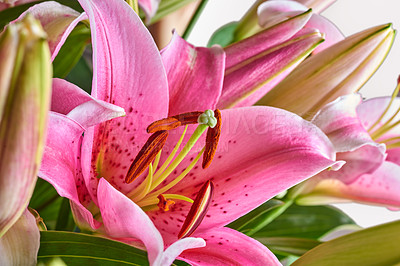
(226,246)
(256,44)
(60,161)
(124,219)
(250,80)
(380,188)
(339,121)
(57,20)
(262,151)
(195,75)
(72,101)
(128,72)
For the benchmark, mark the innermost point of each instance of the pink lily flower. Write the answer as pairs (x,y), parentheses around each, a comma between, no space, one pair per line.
(93,171)
(366,135)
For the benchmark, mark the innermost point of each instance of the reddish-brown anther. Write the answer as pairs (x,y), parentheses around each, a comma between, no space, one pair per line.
(198,210)
(146,155)
(163,124)
(188,118)
(212,139)
(174,122)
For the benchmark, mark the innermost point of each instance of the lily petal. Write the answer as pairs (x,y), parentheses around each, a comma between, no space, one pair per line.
(195,75)
(226,246)
(292,150)
(20,245)
(381,188)
(339,121)
(122,218)
(57,20)
(127,81)
(371,110)
(72,101)
(60,163)
(338,70)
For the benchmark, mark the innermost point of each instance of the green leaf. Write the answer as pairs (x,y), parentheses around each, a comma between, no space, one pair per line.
(377,245)
(249,222)
(305,222)
(71,51)
(223,36)
(12,13)
(287,246)
(82,249)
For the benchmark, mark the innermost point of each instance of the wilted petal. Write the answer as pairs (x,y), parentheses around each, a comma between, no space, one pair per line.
(195,75)
(122,218)
(242,172)
(338,70)
(72,101)
(226,246)
(24,117)
(380,188)
(20,245)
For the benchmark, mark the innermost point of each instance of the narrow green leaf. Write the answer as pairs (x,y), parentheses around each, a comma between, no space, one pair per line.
(223,36)
(64,219)
(82,249)
(71,51)
(377,245)
(287,246)
(246,224)
(305,222)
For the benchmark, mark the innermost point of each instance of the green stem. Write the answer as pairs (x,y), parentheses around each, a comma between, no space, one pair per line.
(194,19)
(273,214)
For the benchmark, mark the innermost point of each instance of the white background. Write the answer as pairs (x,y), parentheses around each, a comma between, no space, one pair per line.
(350,16)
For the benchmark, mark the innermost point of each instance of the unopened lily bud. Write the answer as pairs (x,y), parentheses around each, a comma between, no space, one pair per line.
(336,71)
(25,88)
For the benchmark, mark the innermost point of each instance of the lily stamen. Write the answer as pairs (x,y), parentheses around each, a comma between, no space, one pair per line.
(198,210)
(146,195)
(146,155)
